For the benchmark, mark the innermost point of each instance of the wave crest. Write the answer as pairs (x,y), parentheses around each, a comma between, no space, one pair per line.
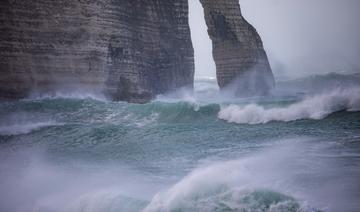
(315,107)
(226,186)
(234,200)
(25,128)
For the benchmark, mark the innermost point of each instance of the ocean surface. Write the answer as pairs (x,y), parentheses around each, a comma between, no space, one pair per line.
(297,150)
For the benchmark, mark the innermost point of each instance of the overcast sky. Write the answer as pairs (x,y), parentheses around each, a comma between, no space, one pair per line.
(301,37)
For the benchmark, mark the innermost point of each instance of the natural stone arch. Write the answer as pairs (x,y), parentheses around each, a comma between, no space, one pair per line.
(131,50)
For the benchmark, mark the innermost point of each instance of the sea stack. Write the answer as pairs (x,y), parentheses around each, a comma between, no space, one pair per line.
(241,61)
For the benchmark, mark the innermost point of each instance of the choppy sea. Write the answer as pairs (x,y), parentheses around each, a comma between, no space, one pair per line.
(297,150)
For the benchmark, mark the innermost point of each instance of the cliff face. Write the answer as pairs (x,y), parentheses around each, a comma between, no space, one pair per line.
(241,62)
(129,50)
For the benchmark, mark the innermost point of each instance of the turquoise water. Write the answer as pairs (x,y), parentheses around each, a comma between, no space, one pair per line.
(201,151)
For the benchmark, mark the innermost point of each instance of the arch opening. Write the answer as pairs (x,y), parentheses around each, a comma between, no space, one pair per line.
(204,62)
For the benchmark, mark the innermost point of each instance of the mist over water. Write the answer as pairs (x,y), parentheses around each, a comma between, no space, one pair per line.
(307,37)
(297,149)
(301,38)
(207,150)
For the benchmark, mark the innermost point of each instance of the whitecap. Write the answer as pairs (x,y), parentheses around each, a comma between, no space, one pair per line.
(313,107)
(25,128)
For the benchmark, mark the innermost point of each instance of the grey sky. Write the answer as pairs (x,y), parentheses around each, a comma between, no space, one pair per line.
(302,37)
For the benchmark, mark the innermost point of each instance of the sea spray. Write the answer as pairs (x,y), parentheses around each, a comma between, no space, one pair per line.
(25,128)
(32,183)
(115,156)
(20,123)
(314,107)
(258,183)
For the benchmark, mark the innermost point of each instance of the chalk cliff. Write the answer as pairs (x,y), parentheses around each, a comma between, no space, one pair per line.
(129,50)
(241,61)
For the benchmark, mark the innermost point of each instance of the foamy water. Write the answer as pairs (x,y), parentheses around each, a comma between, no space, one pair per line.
(201,151)
(25,128)
(314,107)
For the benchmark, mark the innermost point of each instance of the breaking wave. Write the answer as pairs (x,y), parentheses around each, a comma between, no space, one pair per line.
(25,128)
(179,111)
(314,107)
(252,184)
(68,95)
(227,199)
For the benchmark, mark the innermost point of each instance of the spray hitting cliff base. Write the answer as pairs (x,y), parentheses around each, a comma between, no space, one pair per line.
(126,50)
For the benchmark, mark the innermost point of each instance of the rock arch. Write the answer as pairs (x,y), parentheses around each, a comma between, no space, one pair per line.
(130,50)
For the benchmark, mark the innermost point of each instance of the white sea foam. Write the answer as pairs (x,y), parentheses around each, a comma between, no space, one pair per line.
(276,179)
(147,120)
(24,128)
(313,107)
(248,184)
(72,94)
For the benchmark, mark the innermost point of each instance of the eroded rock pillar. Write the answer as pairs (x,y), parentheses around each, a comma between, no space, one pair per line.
(241,61)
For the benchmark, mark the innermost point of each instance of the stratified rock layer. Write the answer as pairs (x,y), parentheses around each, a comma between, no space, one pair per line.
(129,50)
(240,59)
